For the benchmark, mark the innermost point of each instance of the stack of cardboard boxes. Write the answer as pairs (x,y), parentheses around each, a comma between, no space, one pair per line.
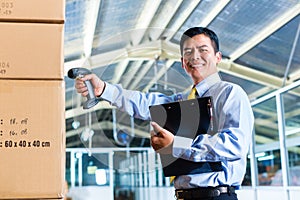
(32,99)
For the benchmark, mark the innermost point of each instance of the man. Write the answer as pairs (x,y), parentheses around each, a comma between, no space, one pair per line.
(228,144)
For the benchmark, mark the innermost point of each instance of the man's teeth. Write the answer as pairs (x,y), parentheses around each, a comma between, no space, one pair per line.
(195,66)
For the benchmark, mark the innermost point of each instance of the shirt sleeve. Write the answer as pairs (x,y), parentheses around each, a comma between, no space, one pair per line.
(234,120)
(134,103)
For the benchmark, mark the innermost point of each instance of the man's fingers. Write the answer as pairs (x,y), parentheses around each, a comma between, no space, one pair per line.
(86,77)
(79,85)
(152,133)
(156,127)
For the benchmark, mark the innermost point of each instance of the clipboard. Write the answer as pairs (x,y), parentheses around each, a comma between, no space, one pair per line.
(187,118)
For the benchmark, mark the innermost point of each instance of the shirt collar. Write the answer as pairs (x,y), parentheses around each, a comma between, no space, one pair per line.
(204,85)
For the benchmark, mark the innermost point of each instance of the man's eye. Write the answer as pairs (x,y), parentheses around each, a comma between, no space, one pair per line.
(202,50)
(187,52)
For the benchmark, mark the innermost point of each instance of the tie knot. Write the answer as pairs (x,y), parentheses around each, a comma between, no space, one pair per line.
(192,94)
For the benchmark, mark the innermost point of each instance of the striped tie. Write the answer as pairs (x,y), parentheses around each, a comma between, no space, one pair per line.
(192,95)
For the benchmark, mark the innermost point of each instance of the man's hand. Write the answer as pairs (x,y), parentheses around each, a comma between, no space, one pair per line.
(161,139)
(97,83)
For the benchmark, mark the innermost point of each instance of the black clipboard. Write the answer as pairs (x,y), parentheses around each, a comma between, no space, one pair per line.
(187,118)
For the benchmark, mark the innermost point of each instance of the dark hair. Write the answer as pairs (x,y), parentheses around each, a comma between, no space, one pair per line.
(191,32)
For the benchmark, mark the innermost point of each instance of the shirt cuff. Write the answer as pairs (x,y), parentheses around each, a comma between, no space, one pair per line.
(107,93)
(181,145)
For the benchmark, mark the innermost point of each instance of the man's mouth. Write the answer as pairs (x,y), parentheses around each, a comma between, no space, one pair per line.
(195,65)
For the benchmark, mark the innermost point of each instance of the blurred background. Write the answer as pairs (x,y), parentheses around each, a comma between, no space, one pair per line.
(135,43)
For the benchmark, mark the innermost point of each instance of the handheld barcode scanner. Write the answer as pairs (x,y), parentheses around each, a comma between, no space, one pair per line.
(92,100)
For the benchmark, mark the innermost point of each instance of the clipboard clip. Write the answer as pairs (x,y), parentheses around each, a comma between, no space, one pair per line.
(179,97)
(209,105)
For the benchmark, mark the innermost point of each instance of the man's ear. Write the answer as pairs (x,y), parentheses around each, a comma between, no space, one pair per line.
(182,62)
(219,56)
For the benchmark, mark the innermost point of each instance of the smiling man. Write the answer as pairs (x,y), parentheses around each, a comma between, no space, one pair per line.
(226,145)
(229,142)
(200,54)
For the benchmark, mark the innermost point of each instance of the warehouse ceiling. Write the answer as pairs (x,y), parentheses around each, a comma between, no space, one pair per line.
(135,43)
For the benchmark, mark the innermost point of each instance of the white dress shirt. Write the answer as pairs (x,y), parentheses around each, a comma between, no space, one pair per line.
(228,143)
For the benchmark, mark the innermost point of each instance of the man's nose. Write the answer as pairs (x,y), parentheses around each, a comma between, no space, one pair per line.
(196,55)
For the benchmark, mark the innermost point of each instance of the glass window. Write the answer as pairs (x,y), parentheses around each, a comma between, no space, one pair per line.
(294,165)
(266,142)
(292,113)
(87,169)
(95,169)
(292,132)
(68,168)
(247,178)
(269,168)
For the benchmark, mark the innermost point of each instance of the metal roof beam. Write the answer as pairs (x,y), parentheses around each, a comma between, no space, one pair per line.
(119,71)
(162,19)
(294,76)
(219,6)
(147,51)
(183,17)
(90,26)
(160,73)
(132,74)
(141,75)
(145,19)
(250,74)
(259,93)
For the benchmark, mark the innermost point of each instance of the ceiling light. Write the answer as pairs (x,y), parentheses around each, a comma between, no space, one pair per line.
(75,124)
(86,134)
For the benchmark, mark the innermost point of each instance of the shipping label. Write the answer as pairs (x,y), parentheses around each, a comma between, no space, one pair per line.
(15,133)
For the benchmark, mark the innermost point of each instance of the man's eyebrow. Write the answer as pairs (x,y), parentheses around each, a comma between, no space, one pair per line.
(187,48)
(202,46)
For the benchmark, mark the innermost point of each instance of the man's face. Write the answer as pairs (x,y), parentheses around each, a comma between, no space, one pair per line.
(199,58)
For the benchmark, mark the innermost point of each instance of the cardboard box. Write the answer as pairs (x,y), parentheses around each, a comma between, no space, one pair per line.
(40,199)
(31,51)
(32,10)
(32,139)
